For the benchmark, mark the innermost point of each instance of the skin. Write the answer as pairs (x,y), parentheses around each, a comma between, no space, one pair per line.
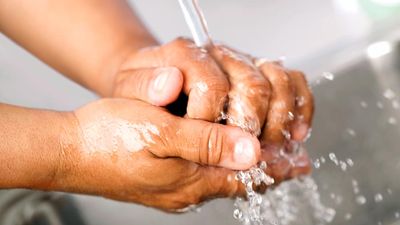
(173,170)
(103,46)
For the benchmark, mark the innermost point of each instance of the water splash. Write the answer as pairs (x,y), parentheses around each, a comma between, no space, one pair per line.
(292,202)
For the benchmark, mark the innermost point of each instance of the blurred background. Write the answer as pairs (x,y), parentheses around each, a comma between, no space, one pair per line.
(349,50)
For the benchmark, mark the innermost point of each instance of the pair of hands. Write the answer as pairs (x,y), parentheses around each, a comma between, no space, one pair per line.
(150,156)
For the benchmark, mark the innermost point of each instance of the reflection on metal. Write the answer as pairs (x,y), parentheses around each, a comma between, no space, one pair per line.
(379,49)
(25,207)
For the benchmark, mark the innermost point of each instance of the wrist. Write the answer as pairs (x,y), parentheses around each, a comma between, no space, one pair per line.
(65,154)
(117,61)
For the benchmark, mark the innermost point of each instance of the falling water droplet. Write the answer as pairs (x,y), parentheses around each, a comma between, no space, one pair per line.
(395,104)
(392,120)
(237,214)
(378,197)
(351,132)
(343,165)
(364,104)
(379,105)
(333,158)
(350,162)
(317,163)
(361,200)
(347,216)
(397,215)
(389,94)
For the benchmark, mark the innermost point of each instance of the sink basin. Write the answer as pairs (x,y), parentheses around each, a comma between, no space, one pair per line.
(356,119)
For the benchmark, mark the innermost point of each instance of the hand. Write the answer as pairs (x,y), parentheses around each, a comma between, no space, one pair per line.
(136,152)
(261,96)
(285,113)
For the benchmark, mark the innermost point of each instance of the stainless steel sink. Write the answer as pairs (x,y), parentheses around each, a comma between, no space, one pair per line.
(353,120)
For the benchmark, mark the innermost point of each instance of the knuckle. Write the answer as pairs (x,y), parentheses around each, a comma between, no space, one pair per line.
(213,143)
(119,87)
(217,84)
(181,42)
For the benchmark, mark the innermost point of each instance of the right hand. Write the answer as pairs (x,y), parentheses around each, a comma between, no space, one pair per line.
(132,151)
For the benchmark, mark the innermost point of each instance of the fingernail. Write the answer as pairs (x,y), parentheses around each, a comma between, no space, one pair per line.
(244,151)
(161,80)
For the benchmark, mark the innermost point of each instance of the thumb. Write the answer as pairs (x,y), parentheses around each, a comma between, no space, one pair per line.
(213,144)
(157,86)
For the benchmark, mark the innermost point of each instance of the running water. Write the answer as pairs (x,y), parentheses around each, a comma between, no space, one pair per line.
(292,202)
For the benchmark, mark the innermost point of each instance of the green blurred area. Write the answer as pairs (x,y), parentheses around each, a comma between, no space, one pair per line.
(379,10)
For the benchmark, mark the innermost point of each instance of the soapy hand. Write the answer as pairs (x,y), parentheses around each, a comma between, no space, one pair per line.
(131,151)
(261,97)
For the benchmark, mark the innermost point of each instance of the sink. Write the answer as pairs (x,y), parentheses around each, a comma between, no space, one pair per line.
(353,120)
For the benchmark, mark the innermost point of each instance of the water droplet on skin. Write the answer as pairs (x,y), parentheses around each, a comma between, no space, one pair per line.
(389,94)
(379,105)
(392,120)
(290,116)
(351,132)
(364,104)
(300,100)
(361,200)
(286,134)
(378,197)
(347,216)
(328,75)
(263,165)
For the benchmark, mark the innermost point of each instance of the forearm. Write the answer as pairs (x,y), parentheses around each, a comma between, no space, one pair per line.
(84,40)
(33,146)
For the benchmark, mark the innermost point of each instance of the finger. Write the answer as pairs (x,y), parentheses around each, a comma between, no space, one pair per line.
(281,105)
(157,86)
(204,83)
(249,93)
(221,182)
(210,144)
(283,165)
(304,106)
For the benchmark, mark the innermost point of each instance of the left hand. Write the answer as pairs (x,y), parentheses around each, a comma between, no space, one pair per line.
(264,98)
